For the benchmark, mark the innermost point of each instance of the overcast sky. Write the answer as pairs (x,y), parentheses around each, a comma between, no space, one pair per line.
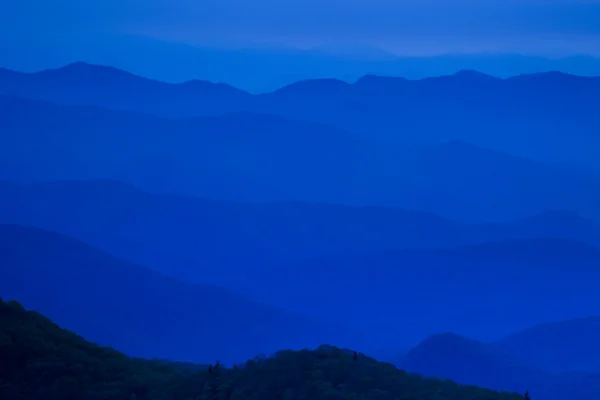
(401,26)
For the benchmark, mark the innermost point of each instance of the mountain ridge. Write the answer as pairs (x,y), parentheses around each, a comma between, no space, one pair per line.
(563,346)
(97,211)
(259,157)
(139,311)
(86,67)
(422,111)
(483,291)
(41,356)
(472,362)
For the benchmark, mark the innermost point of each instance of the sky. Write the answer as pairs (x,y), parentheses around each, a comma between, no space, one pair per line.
(405,27)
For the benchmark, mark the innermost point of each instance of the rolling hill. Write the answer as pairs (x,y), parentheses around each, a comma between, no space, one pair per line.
(141,312)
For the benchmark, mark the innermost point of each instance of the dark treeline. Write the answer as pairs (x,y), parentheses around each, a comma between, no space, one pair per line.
(39,360)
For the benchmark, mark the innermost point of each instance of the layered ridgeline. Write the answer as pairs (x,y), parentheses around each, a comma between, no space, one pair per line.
(257,157)
(359,265)
(143,313)
(42,361)
(187,237)
(356,264)
(563,346)
(484,291)
(537,360)
(550,115)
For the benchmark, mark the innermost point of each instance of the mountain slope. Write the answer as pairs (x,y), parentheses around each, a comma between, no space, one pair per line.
(45,361)
(185,236)
(41,360)
(483,291)
(546,116)
(139,311)
(470,362)
(253,157)
(564,346)
(86,84)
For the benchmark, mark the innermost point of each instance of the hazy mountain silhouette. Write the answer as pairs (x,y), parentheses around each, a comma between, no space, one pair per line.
(467,361)
(43,360)
(139,311)
(188,237)
(527,115)
(255,157)
(86,84)
(483,291)
(564,346)
(530,115)
(177,62)
(471,362)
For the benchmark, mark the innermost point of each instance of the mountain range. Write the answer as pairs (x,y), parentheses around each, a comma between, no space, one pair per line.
(565,346)
(484,291)
(146,314)
(43,360)
(177,62)
(187,237)
(292,255)
(543,360)
(256,157)
(200,222)
(141,312)
(528,115)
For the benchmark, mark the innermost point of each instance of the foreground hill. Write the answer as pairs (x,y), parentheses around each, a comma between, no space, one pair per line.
(39,359)
(468,361)
(254,157)
(42,361)
(565,346)
(484,291)
(547,115)
(141,312)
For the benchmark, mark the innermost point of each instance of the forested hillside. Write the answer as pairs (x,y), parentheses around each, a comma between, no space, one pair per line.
(39,360)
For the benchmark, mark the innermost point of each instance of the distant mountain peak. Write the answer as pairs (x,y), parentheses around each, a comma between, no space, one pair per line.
(83,67)
(91,74)
(447,338)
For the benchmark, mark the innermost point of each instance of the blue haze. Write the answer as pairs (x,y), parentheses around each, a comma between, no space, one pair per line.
(217,180)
